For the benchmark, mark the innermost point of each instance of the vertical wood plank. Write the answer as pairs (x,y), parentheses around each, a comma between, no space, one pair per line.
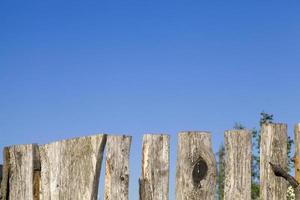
(22,160)
(70,169)
(297,152)
(238,165)
(154,180)
(36,172)
(117,168)
(196,167)
(273,148)
(297,158)
(5,175)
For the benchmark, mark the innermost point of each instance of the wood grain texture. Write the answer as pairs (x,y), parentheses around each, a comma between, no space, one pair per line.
(297,152)
(196,167)
(117,168)
(70,169)
(238,165)
(297,193)
(5,174)
(22,161)
(273,148)
(154,180)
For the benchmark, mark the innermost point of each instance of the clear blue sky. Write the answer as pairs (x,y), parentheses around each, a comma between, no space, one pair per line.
(74,68)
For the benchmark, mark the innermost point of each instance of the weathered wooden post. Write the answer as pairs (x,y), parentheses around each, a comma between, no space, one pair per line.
(19,168)
(237,165)
(70,169)
(117,168)
(196,167)
(5,174)
(154,180)
(273,148)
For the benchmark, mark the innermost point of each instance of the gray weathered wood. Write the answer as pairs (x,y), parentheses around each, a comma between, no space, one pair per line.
(21,166)
(297,193)
(154,180)
(237,165)
(196,167)
(273,148)
(117,168)
(70,169)
(5,175)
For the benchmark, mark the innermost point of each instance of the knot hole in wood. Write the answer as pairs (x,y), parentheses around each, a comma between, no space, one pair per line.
(199,172)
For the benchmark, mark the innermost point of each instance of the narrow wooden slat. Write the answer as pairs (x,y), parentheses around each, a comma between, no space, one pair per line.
(196,167)
(5,175)
(154,180)
(273,148)
(237,165)
(70,169)
(117,168)
(22,159)
(297,152)
(297,158)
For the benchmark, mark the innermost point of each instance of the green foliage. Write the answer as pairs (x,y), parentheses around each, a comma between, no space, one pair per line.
(255,165)
(238,126)
(265,118)
(290,142)
(254,191)
(221,172)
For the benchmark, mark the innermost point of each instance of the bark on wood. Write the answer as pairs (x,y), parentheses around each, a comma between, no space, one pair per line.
(117,168)
(20,164)
(5,178)
(297,152)
(154,181)
(237,165)
(273,148)
(71,168)
(196,167)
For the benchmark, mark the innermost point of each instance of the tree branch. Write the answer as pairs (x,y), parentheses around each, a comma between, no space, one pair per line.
(278,171)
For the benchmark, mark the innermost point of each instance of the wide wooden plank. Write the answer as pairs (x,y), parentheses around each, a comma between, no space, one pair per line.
(70,169)
(20,167)
(154,180)
(196,167)
(237,165)
(117,168)
(273,148)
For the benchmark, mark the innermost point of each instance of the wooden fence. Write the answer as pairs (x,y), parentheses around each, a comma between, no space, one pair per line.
(70,169)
